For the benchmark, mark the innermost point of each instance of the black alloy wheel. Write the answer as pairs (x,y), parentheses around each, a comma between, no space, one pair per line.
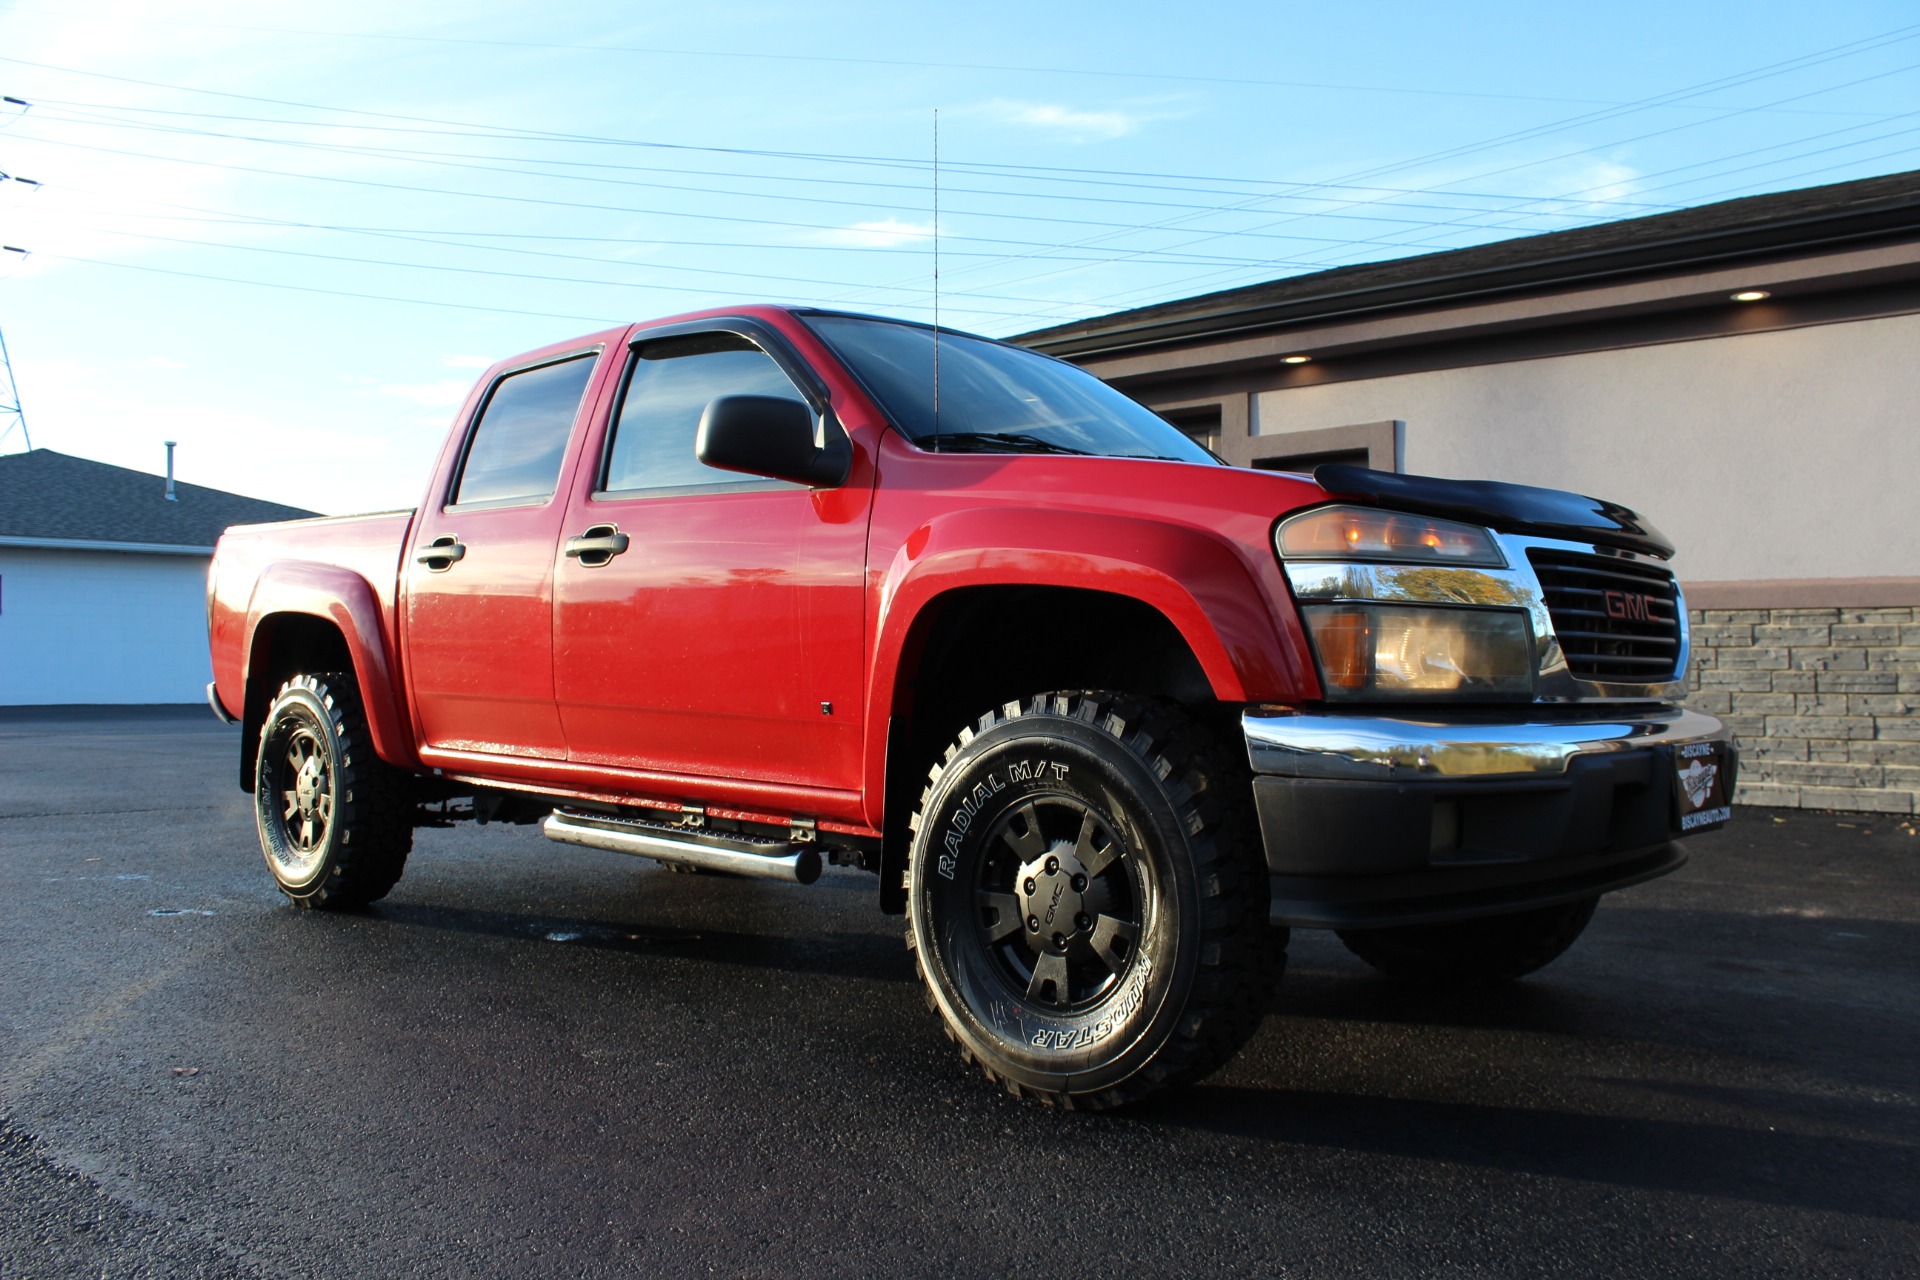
(302,784)
(1087,899)
(1061,904)
(335,821)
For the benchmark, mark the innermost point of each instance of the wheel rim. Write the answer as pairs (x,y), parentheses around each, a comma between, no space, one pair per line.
(301,795)
(1059,903)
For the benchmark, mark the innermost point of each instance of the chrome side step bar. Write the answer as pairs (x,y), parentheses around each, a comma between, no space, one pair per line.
(735,853)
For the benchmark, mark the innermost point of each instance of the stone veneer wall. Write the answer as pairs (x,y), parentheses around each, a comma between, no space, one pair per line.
(1822,702)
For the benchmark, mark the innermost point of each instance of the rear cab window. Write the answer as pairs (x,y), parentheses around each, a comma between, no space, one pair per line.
(516,447)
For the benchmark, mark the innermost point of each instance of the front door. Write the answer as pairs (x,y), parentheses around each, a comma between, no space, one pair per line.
(724,639)
(479,580)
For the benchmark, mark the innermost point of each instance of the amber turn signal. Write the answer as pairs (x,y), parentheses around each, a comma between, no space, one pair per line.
(1345,638)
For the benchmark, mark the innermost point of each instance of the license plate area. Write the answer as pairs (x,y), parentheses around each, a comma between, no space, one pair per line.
(1700,778)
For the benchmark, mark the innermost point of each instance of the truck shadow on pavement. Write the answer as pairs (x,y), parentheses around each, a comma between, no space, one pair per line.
(1792,1038)
(831,955)
(1595,1034)
(1840,994)
(1844,1175)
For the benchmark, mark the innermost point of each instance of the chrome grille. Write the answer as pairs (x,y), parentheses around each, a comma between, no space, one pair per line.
(1617,619)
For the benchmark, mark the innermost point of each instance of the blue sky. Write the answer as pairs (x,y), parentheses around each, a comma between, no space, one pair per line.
(289,236)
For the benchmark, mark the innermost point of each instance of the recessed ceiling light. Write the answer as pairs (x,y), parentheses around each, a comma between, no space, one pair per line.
(1752,295)
(1295,359)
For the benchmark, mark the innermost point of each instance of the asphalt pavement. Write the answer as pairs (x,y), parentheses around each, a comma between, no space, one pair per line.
(537,1060)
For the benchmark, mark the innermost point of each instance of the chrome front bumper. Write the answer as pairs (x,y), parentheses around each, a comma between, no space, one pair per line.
(1345,746)
(1377,821)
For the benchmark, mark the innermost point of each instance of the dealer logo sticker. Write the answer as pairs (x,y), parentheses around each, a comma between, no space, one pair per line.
(1697,780)
(1701,784)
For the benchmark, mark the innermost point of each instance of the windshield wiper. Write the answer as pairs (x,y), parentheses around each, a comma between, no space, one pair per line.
(965,441)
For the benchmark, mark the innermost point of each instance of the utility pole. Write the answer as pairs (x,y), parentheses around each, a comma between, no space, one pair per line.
(11,414)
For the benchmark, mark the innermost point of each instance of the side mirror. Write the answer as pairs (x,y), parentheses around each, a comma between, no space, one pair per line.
(770,436)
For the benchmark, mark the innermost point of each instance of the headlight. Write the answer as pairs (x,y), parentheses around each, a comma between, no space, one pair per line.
(1365,533)
(1383,652)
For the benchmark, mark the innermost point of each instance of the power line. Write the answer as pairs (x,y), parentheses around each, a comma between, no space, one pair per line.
(602,321)
(433,236)
(1775,69)
(1801,62)
(332,293)
(1660,133)
(546,278)
(1052,251)
(1858,142)
(432,158)
(662,51)
(1002,169)
(82,118)
(429,235)
(905,232)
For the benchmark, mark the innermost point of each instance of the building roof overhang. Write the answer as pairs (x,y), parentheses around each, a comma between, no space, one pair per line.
(1847,235)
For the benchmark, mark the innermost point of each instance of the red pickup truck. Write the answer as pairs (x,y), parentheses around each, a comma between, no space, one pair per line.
(748,589)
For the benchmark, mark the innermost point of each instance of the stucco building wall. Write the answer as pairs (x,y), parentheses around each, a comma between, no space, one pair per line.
(1784,454)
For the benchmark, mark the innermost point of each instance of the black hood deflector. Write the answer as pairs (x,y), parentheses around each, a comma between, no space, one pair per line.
(1511,508)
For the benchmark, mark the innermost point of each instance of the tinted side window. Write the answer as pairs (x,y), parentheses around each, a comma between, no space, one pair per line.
(669,383)
(522,434)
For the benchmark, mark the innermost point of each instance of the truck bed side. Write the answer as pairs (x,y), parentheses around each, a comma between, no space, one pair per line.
(281,596)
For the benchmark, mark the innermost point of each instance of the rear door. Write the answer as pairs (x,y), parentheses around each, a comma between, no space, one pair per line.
(479,580)
(724,640)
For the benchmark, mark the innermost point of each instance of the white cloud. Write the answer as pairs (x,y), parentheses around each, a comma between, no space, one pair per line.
(467,362)
(1072,122)
(444,394)
(155,362)
(882,233)
(1599,182)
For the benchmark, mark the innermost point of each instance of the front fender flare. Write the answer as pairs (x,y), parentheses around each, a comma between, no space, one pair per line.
(1199,582)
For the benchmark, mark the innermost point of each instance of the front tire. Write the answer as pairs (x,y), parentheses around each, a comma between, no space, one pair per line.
(335,820)
(1473,952)
(1087,900)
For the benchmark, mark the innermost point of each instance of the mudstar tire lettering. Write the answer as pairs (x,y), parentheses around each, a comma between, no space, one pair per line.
(1125,1005)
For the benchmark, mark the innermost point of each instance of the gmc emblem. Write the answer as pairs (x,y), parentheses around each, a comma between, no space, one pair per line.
(1630,605)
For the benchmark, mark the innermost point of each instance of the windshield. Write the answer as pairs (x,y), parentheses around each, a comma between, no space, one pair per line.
(995,397)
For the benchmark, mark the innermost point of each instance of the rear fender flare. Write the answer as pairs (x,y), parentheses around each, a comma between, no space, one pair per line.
(350,603)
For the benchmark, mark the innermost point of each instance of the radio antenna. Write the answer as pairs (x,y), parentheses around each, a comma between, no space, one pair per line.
(936,279)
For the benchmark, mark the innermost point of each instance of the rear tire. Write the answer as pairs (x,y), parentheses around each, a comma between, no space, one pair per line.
(1088,901)
(1490,949)
(335,820)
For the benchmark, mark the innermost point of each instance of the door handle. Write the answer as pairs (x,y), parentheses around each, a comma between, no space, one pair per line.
(442,552)
(597,545)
